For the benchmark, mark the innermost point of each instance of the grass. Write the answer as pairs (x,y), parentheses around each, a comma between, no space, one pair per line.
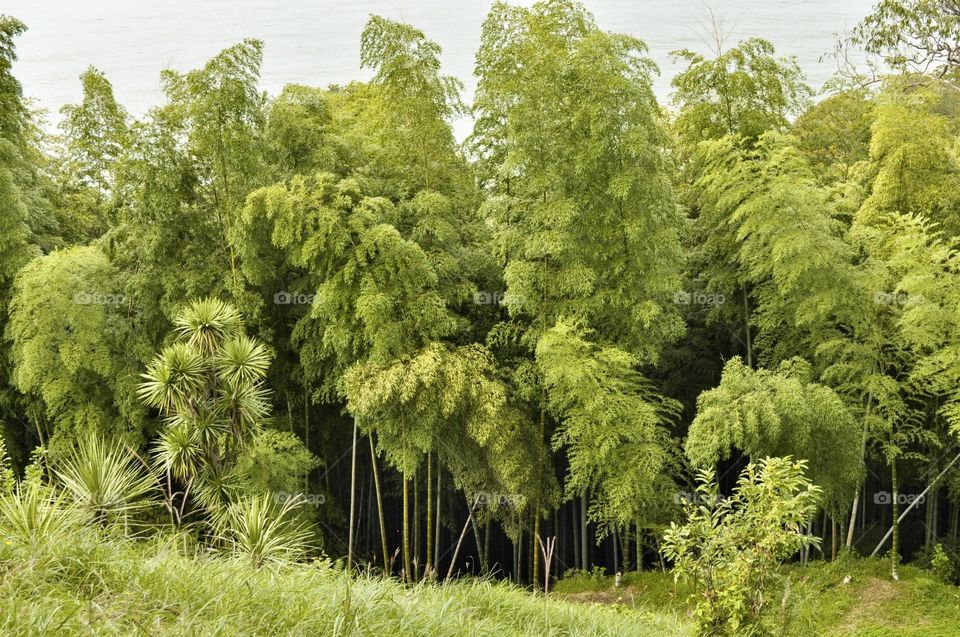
(870,605)
(60,575)
(98,583)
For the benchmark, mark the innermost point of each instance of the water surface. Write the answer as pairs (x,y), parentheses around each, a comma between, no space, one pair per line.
(317,41)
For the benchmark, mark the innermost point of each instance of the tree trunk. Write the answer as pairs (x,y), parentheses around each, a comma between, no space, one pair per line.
(383,522)
(353,495)
(436,553)
(639,547)
(535,567)
(915,502)
(954,521)
(405,540)
(863,453)
(485,557)
(833,537)
(895,546)
(575,519)
(746,327)
(463,533)
(583,532)
(428,562)
(415,545)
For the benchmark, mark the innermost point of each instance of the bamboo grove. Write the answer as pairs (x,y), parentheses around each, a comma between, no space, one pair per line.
(461,353)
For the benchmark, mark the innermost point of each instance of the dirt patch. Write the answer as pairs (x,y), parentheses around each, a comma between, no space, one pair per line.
(874,596)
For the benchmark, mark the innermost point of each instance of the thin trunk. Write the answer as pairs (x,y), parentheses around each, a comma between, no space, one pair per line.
(863,452)
(833,537)
(895,545)
(639,547)
(954,520)
(915,502)
(415,550)
(615,540)
(463,533)
(583,531)
(478,539)
(823,536)
(405,540)
(485,558)
(746,327)
(429,556)
(575,519)
(383,522)
(436,556)
(535,568)
(306,432)
(353,495)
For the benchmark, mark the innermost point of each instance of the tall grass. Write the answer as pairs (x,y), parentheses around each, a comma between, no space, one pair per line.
(100,583)
(65,570)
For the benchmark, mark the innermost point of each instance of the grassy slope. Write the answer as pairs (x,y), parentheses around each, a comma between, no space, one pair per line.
(99,584)
(107,586)
(871,605)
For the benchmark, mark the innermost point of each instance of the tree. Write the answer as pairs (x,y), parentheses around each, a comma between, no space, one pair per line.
(222,109)
(16,247)
(208,385)
(917,36)
(742,91)
(571,146)
(733,547)
(75,349)
(779,413)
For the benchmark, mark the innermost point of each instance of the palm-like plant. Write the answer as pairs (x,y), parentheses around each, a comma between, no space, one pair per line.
(264,531)
(210,386)
(33,513)
(207,323)
(103,482)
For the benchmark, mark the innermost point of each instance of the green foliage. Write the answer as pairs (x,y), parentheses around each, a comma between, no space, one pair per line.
(585,221)
(74,347)
(409,117)
(612,424)
(912,35)
(777,413)
(275,461)
(33,514)
(104,482)
(257,528)
(743,91)
(835,132)
(209,385)
(733,547)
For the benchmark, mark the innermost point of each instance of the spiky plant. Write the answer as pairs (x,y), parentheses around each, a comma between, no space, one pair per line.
(104,482)
(264,531)
(209,385)
(34,513)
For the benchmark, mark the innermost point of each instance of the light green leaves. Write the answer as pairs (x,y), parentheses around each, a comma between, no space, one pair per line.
(104,482)
(264,531)
(781,412)
(207,323)
(173,378)
(210,385)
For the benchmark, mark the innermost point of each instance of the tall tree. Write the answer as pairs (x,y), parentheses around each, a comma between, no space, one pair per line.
(572,149)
